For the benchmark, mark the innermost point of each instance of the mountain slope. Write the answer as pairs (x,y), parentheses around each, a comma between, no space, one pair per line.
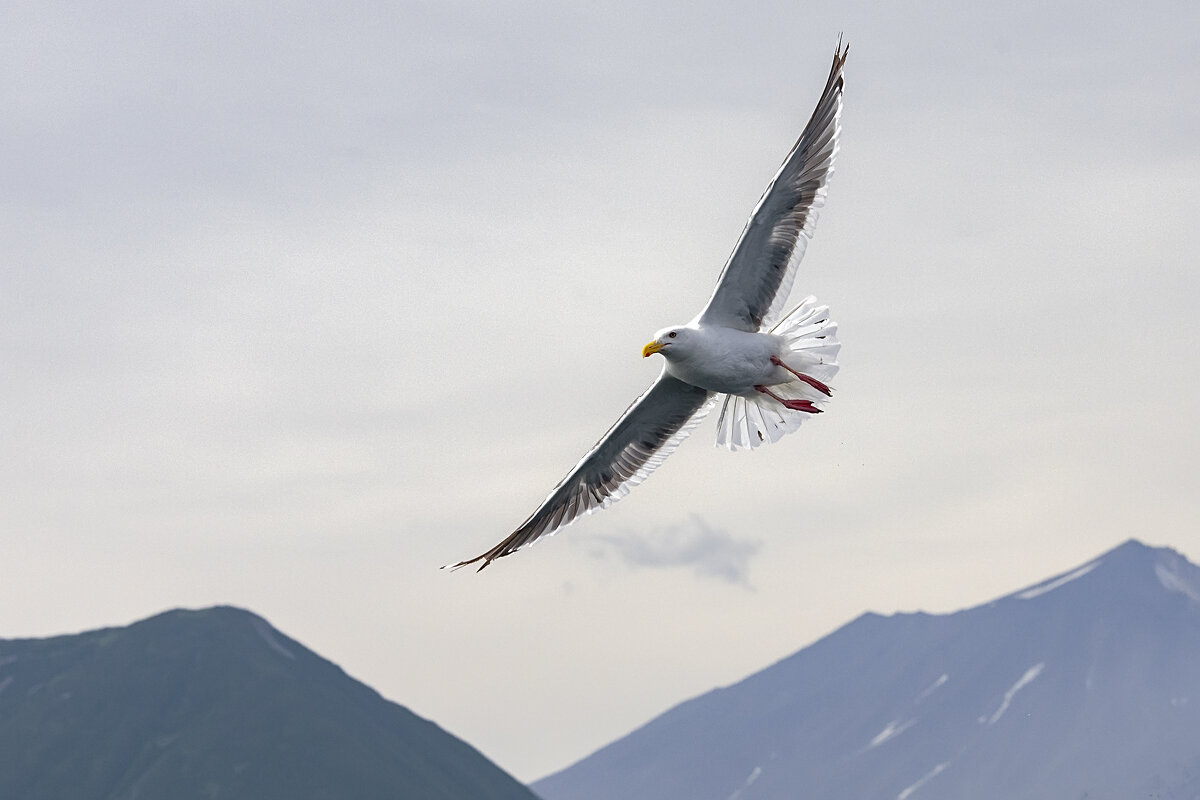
(1084,686)
(215,704)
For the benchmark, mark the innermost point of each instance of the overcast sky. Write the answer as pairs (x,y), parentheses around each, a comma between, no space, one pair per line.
(300,302)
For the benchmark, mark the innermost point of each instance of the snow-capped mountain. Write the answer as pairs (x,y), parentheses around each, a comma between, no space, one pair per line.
(1086,685)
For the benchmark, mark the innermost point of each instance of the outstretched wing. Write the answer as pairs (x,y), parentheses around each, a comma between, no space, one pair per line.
(758,277)
(642,438)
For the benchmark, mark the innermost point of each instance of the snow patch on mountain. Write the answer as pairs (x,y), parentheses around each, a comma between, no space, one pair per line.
(1024,680)
(891,731)
(1174,582)
(933,688)
(1063,580)
(926,778)
(753,776)
(264,630)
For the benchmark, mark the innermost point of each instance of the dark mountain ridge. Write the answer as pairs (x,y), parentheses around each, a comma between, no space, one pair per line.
(215,704)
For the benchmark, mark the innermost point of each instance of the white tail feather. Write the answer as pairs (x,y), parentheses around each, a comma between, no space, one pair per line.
(754,419)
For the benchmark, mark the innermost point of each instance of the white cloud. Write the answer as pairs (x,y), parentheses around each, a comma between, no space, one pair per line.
(709,552)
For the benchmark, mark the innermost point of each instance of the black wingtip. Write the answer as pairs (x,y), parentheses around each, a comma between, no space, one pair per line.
(840,52)
(461,564)
(486,558)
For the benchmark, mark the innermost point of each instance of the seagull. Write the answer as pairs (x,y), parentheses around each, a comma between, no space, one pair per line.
(771,369)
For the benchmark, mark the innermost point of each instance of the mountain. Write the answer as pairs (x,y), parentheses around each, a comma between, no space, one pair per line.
(1083,687)
(215,704)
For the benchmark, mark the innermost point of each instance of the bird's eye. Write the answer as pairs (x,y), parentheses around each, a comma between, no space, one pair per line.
(672,334)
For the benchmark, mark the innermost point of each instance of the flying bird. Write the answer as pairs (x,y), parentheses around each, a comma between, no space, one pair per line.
(771,369)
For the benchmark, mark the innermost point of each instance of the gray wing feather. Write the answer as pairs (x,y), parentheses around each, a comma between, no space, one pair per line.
(649,431)
(757,279)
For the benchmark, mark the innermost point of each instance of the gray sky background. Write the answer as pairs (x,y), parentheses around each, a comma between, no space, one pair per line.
(299,303)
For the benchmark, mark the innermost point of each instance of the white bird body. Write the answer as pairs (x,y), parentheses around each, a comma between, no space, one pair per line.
(772,374)
(722,360)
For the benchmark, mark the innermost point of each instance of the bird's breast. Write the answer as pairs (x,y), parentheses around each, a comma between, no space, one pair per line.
(728,361)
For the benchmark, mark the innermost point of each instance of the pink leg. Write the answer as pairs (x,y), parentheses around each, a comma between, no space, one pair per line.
(795,405)
(809,379)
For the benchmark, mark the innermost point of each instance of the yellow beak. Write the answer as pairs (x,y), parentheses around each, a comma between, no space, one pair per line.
(651,349)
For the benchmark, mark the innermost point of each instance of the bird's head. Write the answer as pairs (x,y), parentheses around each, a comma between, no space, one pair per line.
(670,342)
